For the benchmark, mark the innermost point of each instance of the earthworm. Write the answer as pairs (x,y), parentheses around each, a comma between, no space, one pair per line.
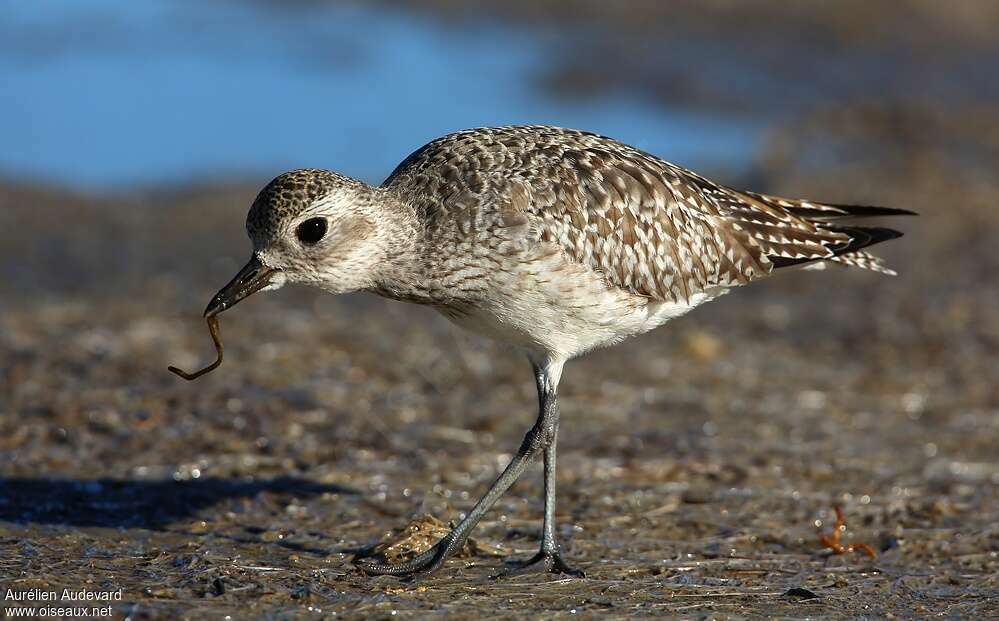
(213,329)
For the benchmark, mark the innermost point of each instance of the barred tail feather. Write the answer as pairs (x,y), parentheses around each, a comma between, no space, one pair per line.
(866,261)
(850,252)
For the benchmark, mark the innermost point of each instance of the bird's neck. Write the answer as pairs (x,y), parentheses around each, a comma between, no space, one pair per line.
(400,275)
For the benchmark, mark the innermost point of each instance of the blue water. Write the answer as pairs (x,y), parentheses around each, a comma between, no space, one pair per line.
(111,93)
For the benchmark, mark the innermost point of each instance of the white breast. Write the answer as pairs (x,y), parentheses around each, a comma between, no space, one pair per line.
(556,306)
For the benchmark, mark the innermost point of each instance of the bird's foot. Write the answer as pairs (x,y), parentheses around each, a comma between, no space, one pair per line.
(545,561)
(425,563)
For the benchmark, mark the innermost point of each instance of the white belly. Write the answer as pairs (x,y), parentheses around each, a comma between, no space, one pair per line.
(563,309)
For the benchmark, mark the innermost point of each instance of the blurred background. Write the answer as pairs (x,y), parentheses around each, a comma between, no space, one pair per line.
(134,136)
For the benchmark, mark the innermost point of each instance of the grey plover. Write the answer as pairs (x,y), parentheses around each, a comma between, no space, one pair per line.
(554,240)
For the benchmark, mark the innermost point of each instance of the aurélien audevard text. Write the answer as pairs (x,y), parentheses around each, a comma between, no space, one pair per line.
(68,595)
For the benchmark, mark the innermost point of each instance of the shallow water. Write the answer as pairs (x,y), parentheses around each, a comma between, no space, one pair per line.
(106,93)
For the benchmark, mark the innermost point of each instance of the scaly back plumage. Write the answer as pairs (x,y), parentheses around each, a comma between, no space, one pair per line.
(647,226)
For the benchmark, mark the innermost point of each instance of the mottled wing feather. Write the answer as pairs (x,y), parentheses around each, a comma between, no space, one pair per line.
(823,215)
(641,224)
(827,211)
(775,230)
(647,226)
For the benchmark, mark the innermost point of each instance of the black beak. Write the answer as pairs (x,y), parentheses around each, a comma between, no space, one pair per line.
(252,278)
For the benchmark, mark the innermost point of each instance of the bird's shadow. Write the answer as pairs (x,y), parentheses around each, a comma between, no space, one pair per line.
(117,503)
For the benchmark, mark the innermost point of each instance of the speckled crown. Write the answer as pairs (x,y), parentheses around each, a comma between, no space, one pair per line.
(287,195)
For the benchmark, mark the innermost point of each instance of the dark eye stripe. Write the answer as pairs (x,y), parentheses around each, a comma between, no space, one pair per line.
(311,231)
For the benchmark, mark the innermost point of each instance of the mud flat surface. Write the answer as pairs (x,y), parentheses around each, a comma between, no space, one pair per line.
(697,463)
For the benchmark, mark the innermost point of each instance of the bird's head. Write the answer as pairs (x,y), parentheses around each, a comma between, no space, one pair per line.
(314,227)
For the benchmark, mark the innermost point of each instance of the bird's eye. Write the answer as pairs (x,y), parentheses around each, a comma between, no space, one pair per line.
(311,231)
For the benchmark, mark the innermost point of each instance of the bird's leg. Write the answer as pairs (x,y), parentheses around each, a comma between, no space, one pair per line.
(549,557)
(541,436)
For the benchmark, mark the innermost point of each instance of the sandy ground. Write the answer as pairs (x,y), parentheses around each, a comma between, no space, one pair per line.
(697,463)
